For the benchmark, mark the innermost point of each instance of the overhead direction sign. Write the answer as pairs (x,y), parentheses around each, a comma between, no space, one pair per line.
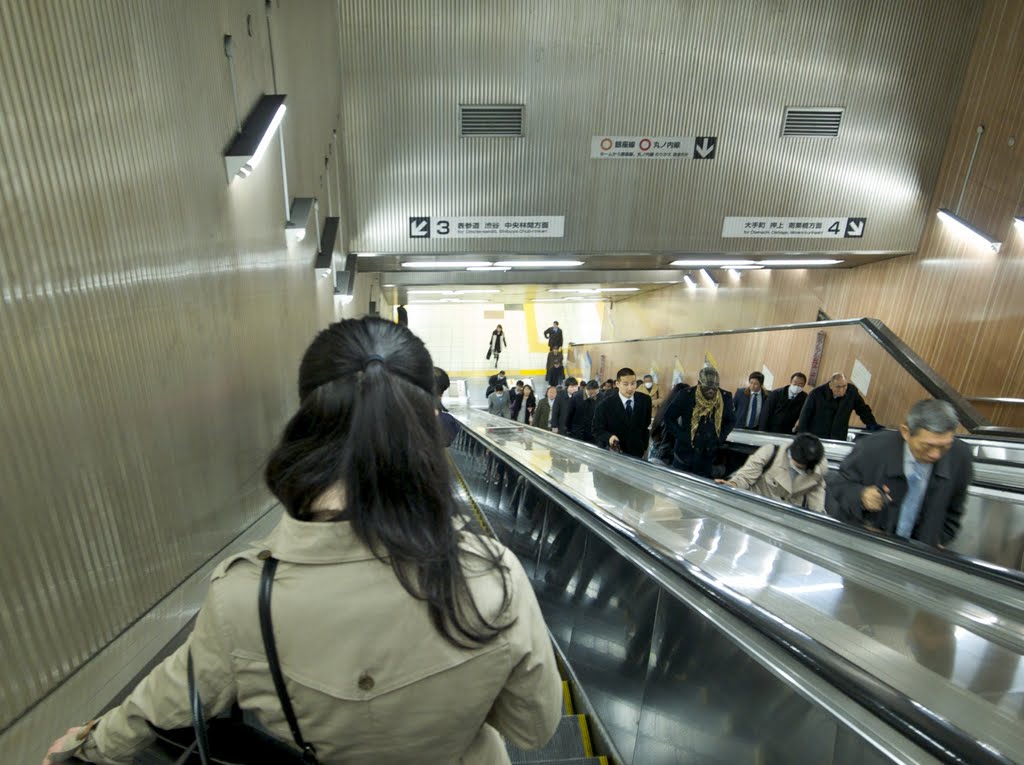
(793,228)
(488,227)
(652,147)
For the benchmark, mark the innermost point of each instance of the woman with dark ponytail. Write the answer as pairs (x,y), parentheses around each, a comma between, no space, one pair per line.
(403,637)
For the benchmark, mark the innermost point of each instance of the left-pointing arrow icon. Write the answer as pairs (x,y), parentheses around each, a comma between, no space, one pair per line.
(419,228)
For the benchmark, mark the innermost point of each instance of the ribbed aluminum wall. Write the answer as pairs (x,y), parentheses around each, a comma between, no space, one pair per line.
(661,68)
(152,316)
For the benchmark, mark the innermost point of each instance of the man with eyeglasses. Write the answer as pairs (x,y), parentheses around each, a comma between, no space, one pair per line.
(910,483)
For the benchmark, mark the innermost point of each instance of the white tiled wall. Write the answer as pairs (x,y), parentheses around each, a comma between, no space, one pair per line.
(458,335)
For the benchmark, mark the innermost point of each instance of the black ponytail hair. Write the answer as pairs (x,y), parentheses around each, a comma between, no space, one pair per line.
(366,422)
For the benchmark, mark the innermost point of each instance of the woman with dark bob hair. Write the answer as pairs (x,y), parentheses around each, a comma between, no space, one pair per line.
(403,637)
(795,475)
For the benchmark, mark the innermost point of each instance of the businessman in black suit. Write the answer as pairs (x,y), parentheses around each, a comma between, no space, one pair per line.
(622,420)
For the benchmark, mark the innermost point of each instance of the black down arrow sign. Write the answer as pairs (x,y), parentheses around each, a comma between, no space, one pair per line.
(704,147)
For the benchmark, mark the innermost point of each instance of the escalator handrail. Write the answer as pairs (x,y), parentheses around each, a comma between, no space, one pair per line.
(931,732)
(913,364)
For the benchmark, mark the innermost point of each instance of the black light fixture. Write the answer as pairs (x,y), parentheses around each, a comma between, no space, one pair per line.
(345,281)
(325,257)
(298,218)
(252,140)
(962,225)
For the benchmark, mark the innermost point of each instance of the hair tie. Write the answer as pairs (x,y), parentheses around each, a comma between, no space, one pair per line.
(371,358)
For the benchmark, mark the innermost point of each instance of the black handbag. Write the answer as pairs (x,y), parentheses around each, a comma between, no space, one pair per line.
(233,740)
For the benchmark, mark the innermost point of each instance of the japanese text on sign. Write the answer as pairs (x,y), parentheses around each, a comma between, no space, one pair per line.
(538,226)
(652,147)
(793,228)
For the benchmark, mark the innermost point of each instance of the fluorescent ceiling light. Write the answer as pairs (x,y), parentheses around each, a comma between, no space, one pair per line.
(298,219)
(713,262)
(745,268)
(971,233)
(367,254)
(733,273)
(389,285)
(596,290)
(446,264)
(489,268)
(452,292)
(446,300)
(688,281)
(800,263)
(1019,222)
(539,263)
(249,146)
(710,278)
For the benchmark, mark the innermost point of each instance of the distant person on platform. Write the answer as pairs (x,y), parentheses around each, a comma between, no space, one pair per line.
(622,422)
(826,413)
(749,403)
(403,316)
(556,375)
(498,402)
(782,410)
(700,419)
(607,389)
(911,483)
(650,388)
(560,409)
(497,345)
(542,415)
(795,474)
(498,378)
(554,336)
(581,413)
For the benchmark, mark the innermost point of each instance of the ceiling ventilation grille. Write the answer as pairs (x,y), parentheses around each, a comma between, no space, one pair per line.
(477,120)
(813,122)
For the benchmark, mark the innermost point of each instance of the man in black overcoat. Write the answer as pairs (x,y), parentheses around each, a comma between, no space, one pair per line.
(621,420)
(911,483)
(783,407)
(700,419)
(826,412)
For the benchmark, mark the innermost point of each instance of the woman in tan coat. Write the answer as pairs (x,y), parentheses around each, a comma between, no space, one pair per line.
(402,637)
(795,475)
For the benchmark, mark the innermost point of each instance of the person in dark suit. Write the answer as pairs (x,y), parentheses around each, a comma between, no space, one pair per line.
(556,375)
(560,408)
(911,483)
(498,378)
(553,335)
(621,421)
(749,403)
(403,316)
(826,413)
(782,409)
(700,419)
(581,413)
(663,443)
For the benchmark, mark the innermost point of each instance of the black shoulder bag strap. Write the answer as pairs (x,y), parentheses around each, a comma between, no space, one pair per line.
(270,646)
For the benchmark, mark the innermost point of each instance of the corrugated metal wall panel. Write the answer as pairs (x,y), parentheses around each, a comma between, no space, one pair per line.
(592,67)
(152,316)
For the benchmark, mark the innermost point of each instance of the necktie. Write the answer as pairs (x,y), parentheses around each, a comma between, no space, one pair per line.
(629,409)
(755,402)
(910,508)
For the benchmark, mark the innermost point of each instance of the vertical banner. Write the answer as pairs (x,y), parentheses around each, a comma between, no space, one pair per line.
(677,373)
(819,348)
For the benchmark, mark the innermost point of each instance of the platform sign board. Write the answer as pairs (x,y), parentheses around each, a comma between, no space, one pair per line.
(488,227)
(652,147)
(793,228)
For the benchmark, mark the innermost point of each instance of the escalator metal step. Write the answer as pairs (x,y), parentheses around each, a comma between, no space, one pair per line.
(570,742)
(602,760)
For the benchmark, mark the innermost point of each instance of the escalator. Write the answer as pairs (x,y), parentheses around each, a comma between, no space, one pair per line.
(702,625)
(992,527)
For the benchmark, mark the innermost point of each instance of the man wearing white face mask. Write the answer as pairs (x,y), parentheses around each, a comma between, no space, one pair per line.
(782,410)
(650,388)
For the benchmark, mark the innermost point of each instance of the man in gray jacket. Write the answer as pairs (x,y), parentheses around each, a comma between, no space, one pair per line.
(911,483)
(498,402)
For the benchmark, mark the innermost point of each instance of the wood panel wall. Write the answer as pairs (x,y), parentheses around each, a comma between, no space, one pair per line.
(957,304)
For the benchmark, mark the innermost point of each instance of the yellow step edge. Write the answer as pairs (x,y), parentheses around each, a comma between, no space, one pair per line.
(588,748)
(567,697)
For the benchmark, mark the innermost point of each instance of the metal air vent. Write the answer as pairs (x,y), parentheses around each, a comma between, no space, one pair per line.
(475,120)
(813,122)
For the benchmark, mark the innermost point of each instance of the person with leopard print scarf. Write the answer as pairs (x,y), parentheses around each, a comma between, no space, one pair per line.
(700,418)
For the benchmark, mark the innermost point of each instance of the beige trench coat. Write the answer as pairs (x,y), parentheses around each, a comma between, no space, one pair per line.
(806,490)
(370,678)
